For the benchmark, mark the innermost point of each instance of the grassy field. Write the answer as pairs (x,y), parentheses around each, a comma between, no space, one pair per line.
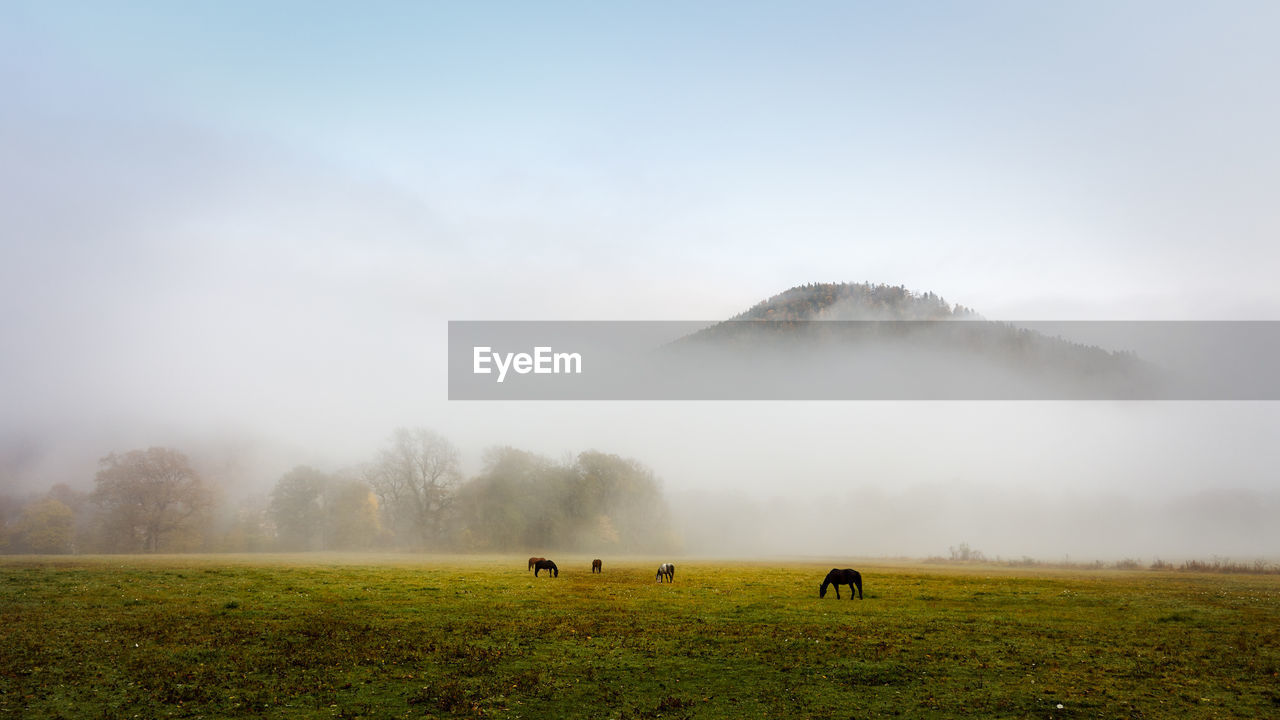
(422,636)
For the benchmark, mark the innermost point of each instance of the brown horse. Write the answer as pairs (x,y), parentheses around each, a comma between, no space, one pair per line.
(534,561)
(545,564)
(837,577)
(597,566)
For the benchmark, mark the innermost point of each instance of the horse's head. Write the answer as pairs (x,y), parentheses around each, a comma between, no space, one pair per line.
(822,590)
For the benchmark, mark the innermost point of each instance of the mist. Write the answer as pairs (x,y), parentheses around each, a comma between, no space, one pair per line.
(254,262)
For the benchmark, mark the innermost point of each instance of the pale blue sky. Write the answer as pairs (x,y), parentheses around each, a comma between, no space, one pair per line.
(1082,160)
(261,215)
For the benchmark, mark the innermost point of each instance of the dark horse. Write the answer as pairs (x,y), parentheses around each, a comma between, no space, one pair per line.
(596,566)
(842,577)
(545,564)
(666,570)
(534,561)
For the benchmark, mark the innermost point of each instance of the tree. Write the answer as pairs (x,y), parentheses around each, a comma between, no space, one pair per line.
(415,480)
(10,511)
(298,510)
(249,526)
(151,500)
(509,505)
(621,500)
(81,509)
(46,527)
(351,516)
(316,511)
(597,501)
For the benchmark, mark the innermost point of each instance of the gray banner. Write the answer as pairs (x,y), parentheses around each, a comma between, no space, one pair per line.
(864,360)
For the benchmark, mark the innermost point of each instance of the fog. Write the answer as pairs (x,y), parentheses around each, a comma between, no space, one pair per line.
(1048,480)
(258,269)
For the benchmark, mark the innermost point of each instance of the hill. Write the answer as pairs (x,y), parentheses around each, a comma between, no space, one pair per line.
(864,341)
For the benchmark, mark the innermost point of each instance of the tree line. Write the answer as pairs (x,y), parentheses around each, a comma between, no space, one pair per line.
(411,495)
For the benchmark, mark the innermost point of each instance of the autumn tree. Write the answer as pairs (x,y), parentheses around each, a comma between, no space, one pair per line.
(313,510)
(249,526)
(351,515)
(415,478)
(509,505)
(46,527)
(618,502)
(597,500)
(297,508)
(151,500)
(10,511)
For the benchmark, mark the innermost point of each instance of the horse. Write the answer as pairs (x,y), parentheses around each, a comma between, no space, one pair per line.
(545,564)
(533,561)
(666,570)
(596,566)
(838,577)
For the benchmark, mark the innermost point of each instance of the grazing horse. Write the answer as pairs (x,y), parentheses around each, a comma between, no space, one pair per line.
(545,564)
(666,570)
(596,566)
(836,577)
(533,561)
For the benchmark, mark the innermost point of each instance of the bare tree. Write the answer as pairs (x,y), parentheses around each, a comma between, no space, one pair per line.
(415,480)
(149,498)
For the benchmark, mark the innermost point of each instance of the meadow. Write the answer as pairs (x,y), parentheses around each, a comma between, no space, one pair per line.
(412,636)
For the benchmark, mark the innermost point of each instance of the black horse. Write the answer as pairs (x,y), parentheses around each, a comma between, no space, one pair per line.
(836,577)
(545,564)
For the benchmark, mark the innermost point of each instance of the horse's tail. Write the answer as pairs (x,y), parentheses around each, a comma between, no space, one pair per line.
(857,580)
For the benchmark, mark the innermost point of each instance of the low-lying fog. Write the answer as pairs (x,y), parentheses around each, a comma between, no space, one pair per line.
(1089,480)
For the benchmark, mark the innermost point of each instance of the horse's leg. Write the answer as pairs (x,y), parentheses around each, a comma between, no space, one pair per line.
(837,587)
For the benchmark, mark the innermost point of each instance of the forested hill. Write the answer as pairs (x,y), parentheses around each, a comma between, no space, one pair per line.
(854,301)
(818,340)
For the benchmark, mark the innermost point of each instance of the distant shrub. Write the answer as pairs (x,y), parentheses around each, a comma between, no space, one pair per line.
(1224,565)
(964,553)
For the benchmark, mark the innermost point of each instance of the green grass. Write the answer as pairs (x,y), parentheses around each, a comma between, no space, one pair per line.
(412,636)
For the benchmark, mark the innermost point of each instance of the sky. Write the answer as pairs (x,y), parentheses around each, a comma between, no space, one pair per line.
(245,226)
